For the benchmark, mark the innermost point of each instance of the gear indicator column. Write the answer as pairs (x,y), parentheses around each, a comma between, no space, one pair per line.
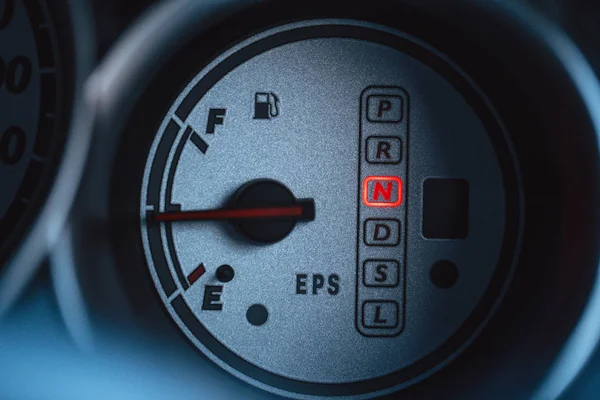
(381,244)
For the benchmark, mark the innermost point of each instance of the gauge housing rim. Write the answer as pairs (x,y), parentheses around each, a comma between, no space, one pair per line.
(226,358)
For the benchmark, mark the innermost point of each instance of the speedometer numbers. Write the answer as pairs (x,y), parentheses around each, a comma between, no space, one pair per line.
(326,206)
(29,97)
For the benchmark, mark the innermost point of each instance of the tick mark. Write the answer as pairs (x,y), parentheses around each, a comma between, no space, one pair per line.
(196,274)
(198,141)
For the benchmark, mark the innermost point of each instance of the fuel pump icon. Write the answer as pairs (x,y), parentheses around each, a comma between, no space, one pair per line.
(266,105)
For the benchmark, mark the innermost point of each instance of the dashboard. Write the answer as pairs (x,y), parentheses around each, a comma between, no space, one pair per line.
(299,199)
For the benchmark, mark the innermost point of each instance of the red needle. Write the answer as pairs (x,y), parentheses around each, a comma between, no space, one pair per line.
(302,210)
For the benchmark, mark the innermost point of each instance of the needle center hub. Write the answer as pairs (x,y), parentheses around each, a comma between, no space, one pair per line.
(264,193)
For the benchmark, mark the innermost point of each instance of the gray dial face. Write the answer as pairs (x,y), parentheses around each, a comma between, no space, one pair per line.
(28,97)
(416,210)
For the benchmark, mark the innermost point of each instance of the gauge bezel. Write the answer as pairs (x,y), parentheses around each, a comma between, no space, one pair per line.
(561,174)
(145,126)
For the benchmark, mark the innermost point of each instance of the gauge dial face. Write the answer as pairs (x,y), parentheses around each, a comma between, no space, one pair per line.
(330,208)
(29,96)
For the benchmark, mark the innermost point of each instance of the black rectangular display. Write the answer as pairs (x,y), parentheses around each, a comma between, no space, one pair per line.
(445,208)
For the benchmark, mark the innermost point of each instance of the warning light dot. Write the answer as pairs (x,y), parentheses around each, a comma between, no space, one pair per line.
(257,314)
(225,273)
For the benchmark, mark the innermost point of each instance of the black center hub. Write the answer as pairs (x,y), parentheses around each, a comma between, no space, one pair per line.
(266,193)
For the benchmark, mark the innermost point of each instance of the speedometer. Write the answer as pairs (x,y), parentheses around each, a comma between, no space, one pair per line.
(30,94)
(46,50)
